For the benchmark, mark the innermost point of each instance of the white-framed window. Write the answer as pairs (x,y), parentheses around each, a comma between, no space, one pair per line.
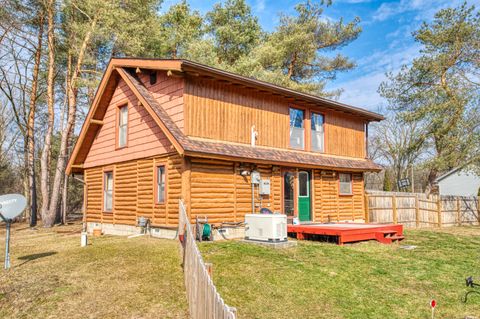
(318,132)
(108,191)
(345,184)
(297,130)
(366,139)
(122,126)
(160,184)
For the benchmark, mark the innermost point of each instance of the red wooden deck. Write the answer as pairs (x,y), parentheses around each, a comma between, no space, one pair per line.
(350,232)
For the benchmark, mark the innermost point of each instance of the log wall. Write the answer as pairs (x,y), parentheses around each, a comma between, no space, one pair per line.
(134,192)
(221,193)
(211,188)
(329,205)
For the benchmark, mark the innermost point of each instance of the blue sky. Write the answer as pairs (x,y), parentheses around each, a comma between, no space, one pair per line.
(384,45)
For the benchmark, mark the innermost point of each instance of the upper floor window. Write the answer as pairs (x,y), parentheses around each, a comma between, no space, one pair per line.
(160,184)
(107,191)
(366,140)
(122,126)
(297,131)
(345,184)
(317,132)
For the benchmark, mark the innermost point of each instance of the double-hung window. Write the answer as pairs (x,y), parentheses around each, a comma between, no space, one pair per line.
(122,126)
(317,132)
(345,184)
(160,184)
(108,191)
(297,131)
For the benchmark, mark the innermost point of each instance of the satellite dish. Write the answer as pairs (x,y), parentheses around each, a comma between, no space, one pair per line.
(12,205)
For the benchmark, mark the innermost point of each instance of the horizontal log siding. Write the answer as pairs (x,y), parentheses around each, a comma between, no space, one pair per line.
(329,205)
(93,183)
(134,184)
(212,190)
(221,193)
(220,111)
(144,138)
(217,191)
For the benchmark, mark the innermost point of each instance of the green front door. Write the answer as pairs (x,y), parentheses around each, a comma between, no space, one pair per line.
(304,196)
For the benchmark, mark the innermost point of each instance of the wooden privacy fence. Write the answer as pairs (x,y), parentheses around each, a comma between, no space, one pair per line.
(204,302)
(420,210)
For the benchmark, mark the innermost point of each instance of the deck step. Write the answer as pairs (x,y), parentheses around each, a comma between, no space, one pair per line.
(387,232)
(391,239)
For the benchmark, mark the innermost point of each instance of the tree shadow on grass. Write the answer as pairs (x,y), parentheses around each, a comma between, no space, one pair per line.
(31,257)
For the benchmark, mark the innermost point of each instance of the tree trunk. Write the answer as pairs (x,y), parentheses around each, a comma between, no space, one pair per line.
(291,66)
(72,79)
(31,127)
(64,200)
(46,151)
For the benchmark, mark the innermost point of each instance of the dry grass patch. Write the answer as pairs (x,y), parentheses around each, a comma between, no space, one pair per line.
(114,277)
(365,280)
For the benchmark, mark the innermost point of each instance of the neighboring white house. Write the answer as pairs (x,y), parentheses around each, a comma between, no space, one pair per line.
(460,181)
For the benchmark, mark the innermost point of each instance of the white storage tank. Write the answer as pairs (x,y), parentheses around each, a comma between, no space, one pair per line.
(266,227)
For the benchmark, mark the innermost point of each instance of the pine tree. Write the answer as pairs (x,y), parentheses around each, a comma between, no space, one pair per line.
(235,31)
(292,55)
(440,89)
(179,28)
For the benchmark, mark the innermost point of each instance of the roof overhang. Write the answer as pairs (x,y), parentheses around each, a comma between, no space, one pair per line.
(116,70)
(197,69)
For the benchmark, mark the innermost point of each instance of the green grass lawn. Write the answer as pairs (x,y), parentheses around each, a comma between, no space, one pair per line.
(364,280)
(114,277)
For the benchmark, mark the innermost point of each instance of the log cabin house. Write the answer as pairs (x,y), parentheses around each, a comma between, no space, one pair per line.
(163,130)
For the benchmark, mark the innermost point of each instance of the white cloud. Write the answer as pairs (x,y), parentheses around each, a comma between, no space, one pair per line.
(362,91)
(424,7)
(259,6)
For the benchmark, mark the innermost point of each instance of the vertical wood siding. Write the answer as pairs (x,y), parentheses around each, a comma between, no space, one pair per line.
(145,138)
(227,112)
(221,111)
(345,136)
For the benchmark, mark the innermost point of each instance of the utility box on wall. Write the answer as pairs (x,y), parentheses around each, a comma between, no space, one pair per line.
(265,187)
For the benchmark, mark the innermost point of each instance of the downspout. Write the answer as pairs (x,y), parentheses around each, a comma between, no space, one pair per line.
(84,215)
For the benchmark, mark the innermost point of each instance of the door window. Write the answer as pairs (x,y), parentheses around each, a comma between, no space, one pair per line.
(288,193)
(303,184)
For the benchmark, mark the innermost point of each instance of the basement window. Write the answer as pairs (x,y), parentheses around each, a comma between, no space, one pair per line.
(108,191)
(345,184)
(160,185)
